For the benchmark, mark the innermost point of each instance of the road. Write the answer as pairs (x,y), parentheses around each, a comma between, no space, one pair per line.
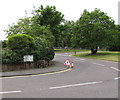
(88,79)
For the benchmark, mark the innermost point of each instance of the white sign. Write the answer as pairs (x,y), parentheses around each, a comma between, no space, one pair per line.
(67,63)
(28,58)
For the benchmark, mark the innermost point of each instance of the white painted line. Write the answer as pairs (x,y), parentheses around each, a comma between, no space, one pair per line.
(64,55)
(115,68)
(89,83)
(116,78)
(79,60)
(82,59)
(9,92)
(99,64)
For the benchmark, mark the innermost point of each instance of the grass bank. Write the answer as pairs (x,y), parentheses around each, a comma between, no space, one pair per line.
(69,50)
(102,55)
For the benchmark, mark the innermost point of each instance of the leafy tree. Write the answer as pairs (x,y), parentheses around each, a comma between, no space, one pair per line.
(65,33)
(50,17)
(4,43)
(93,30)
(30,27)
(114,44)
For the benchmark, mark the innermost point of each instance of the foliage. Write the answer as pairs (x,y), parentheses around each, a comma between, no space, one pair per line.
(49,16)
(18,45)
(4,43)
(21,42)
(114,45)
(11,57)
(93,30)
(43,51)
(48,29)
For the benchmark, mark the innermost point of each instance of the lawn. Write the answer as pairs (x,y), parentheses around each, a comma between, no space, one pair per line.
(102,55)
(69,50)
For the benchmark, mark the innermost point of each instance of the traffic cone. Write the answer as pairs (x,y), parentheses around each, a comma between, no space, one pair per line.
(72,65)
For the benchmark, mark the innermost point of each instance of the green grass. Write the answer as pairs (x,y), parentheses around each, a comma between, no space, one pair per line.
(102,55)
(67,51)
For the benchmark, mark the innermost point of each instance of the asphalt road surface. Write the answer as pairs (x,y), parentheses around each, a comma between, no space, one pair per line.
(88,79)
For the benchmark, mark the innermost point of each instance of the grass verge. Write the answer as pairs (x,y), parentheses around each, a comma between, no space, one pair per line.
(102,55)
(69,50)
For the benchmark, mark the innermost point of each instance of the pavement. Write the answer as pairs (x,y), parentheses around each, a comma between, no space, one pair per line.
(55,67)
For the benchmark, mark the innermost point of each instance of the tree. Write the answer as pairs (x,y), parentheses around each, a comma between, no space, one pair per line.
(93,30)
(51,18)
(66,33)
(114,44)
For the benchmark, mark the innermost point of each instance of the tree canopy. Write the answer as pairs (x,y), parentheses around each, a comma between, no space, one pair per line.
(93,30)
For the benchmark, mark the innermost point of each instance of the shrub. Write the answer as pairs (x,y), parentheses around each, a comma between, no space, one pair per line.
(18,46)
(11,57)
(43,52)
(21,42)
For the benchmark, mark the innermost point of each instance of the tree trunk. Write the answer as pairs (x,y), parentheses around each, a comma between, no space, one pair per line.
(75,51)
(94,50)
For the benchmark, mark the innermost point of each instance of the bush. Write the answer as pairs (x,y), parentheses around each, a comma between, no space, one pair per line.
(4,44)
(18,46)
(43,52)
(21,42)
(11,57)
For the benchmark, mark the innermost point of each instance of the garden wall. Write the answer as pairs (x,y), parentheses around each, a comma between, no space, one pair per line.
(39,64)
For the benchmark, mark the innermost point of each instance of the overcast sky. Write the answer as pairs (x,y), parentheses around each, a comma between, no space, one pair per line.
(12,10)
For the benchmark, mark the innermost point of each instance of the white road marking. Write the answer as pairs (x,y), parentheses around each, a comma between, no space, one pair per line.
(80,60)
(89,83)
(116,78)
(115,68)
(99,64)
(64,55)
(9,92)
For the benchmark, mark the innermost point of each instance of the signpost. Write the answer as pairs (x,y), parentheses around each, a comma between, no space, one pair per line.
(27,59)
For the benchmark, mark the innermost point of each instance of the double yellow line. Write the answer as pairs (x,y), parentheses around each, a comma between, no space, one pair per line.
(49,73)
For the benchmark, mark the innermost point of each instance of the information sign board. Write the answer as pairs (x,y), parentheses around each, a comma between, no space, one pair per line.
(28,58)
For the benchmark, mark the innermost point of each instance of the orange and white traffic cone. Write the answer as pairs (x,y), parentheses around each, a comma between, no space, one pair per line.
(72,65)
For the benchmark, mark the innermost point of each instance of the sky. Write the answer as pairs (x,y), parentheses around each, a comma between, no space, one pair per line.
(12,10)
